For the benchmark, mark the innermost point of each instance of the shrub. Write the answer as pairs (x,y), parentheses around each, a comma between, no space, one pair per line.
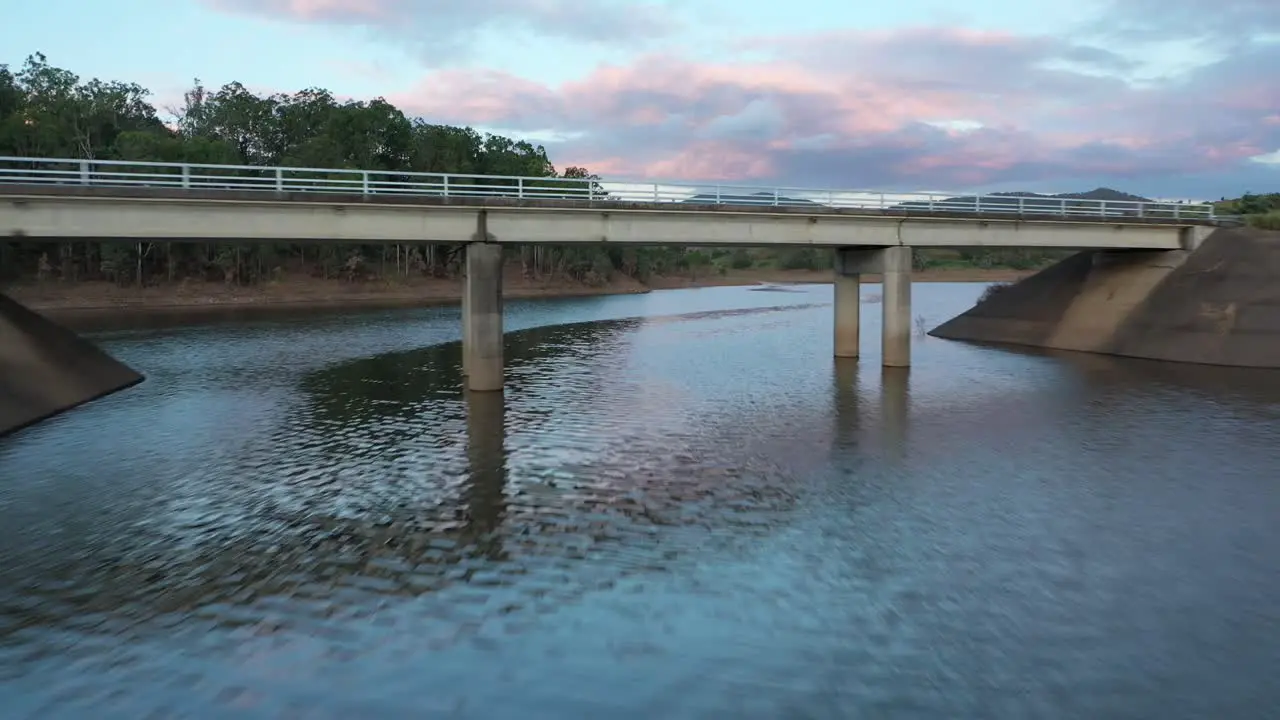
(993,290)
(1266,221)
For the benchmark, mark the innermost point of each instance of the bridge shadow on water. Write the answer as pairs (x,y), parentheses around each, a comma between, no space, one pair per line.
(1112,378)
(390,481)
(401,484)
(884,426)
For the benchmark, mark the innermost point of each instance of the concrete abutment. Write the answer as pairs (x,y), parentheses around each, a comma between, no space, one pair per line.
(46,369)
(1213,302)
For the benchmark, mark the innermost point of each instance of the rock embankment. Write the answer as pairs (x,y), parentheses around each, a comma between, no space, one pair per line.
(46,369)
(1218,304)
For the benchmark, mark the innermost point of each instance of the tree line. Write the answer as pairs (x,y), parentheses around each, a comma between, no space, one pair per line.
(1259,210)
(47,111)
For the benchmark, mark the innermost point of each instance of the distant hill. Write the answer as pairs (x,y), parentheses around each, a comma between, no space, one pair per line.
(756,198)
(1091,202)
(1102,194)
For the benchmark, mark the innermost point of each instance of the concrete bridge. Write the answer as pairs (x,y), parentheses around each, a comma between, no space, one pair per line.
(868,231)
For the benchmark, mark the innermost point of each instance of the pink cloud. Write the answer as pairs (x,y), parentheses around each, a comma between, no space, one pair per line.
(912,107)
(441,31)
(917,107)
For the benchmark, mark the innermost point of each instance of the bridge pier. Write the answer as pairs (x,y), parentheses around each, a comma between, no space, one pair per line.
(848,307)
(893,264)
(482,318)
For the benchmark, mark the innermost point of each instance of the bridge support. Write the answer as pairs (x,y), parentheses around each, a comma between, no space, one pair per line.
(893,264)
(848,308)
(46,369)
(482,318)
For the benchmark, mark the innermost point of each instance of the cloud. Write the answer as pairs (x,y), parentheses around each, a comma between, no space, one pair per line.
(441,32)
(909,109)
(1231,21)
(1161,97)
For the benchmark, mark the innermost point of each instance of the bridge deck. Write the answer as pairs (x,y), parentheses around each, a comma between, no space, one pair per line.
(55,212)
(1036,213)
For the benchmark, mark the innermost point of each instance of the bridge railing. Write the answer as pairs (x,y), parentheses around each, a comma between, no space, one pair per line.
(117,173)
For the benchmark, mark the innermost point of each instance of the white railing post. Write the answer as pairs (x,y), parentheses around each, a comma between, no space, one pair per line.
(1062,205)
(591,191)
(84,172)
(1142,209)
(884,205)
(655,192)
(1177,211)
(1103,206)
(717,194)
(1022,205)
(364,182)
(445,185)
(186,177)
(279,180)
(519,187)
(777,198)
(977,204)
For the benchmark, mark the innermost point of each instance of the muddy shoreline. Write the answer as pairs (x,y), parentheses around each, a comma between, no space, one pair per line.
(81,303)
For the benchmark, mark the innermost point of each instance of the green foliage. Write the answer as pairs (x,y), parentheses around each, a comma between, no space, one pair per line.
(804,259)
(46,111)
(992,290)
(1261,211)
(1266,221)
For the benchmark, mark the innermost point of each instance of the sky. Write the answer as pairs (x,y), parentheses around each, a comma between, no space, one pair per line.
(1164,98)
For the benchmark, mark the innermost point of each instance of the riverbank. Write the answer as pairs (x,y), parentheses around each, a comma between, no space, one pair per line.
(99,298)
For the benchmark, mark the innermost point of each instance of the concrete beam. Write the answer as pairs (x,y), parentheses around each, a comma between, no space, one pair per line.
(160,220)
(482,338)
(193,221)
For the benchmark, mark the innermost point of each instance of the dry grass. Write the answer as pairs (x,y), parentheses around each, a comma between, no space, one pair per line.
(992,290)
(1269,221)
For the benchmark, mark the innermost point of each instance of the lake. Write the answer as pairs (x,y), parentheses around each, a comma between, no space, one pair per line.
(681,507)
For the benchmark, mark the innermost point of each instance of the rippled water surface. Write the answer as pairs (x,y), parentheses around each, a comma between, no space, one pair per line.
(682,508)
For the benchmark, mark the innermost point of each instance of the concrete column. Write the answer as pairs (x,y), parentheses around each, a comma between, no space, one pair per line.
(466,323)
(896,328)
(848,306)
(1193,237)
(482,324)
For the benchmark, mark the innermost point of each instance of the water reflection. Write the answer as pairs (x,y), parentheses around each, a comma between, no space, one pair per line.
(847,404)
(895,407)
(1256,386)
(695,516)
(485,495)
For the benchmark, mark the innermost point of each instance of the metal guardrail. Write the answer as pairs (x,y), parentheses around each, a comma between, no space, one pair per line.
(116,173)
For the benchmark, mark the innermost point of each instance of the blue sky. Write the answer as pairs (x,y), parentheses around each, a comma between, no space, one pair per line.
(1160,97)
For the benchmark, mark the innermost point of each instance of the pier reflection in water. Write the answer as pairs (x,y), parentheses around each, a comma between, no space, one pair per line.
(486,452)
(691,514)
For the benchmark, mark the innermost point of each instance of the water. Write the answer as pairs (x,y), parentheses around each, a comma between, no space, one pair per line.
(686,509)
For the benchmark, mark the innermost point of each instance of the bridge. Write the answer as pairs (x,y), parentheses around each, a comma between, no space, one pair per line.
(869,231)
